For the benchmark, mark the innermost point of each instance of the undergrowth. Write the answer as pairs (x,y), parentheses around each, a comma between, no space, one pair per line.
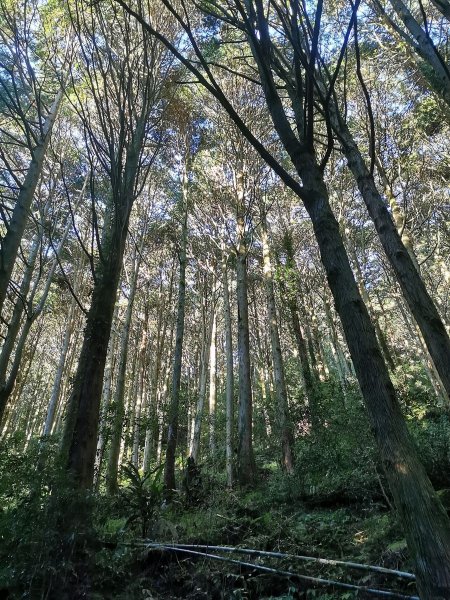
(55,543)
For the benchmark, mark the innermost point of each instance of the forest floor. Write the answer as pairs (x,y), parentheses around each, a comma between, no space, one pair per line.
(57,545)
(270,517)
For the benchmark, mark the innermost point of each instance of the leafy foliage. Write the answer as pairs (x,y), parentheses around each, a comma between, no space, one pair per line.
(143,496)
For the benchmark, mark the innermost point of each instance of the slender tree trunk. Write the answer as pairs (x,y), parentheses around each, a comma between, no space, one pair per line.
(157,369)
(229,394)
(69,370)
(284,423)
(32,314)
(19,373)
(19,308)
(54,399)
(130,405)
(367,301)
(426,49)
(9,246)
(142,395)
(341,364)
(119,396)
(172,435)
(213,383)
(245,458)
(426,524)
(413,288)
(208,325)
(290,292)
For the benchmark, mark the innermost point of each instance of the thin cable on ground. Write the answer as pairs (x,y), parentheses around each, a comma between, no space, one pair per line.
(322,561)
(313,580)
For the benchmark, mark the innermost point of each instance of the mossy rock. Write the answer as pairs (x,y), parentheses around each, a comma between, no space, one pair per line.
(397,547)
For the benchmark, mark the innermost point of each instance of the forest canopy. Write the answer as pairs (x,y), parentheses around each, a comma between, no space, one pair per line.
(225,298)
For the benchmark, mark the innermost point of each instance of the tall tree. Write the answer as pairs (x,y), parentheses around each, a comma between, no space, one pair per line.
(124,81)
(284,422)
(32,84)
(173,416)
(426,524)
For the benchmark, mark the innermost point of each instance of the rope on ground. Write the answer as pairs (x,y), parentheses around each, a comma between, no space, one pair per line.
(313,580)
(322,561)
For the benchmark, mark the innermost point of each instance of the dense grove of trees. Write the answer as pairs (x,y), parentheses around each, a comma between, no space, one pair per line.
(210,212)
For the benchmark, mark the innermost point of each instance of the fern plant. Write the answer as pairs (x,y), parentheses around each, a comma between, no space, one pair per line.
(143,496)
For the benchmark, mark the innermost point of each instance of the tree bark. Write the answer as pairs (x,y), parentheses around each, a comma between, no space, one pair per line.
(81,427)
(208,325)
(213,382)
(54,399)
(106,400)
(172,435)
(9,246)
(284,422)
(119,396)
(413,288)
(245,458)
(229,393)
(426,524)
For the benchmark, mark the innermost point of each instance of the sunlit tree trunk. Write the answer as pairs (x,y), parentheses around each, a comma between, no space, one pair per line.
(9,246)
(54,398)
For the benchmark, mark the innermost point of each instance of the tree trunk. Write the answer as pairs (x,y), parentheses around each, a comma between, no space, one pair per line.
(213,382)
(142,392)
(426,50)
(229,394)
(54,399)
(208,325)
(412,285)
(172,434)
(245,458)
(32,314)
(284,423)
(157,369)
(106,400)
(10,243)
(426,524)
(368,302)
(19,308)
(291,290)
(119,396)
(81,427)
